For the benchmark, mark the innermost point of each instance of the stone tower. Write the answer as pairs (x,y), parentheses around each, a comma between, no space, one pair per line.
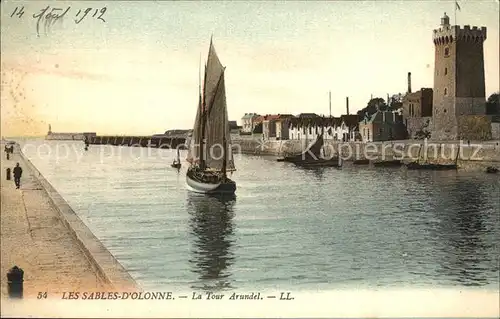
(458,77)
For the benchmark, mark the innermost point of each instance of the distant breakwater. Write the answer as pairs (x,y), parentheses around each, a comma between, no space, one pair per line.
(140,141)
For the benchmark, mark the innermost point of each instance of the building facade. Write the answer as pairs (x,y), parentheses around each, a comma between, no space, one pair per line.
(382,126)
(273,126)
(248,122)
(418,104)
(417,110)
(282,126)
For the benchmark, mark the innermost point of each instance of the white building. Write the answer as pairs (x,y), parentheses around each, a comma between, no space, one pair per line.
(248,122)
(342,128)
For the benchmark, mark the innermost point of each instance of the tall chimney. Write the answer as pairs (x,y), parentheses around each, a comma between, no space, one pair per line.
(409,82)
(347,104)
(330,102)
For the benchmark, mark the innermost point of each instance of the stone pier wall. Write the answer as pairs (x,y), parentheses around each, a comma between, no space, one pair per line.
(74,258)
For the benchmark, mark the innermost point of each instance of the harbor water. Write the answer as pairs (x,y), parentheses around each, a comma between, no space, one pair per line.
(287,228)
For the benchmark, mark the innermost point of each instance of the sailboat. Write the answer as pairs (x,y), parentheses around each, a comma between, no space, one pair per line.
(312,157)
(311,153)
(177,161)
(430,166)
(209,152)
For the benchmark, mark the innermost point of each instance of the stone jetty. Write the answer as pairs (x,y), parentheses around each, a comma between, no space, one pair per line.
(140,141)
(43,236)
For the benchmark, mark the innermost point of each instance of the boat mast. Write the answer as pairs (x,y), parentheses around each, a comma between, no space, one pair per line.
(224,155)
(224,137)
(203,120)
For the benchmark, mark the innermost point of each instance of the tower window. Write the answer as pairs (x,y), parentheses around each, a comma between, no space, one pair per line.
(445,71)
(445,91)
(446,51)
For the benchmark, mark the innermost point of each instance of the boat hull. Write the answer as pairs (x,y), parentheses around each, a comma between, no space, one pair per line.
(491,170)
(436,167)
(391,163)
(319,163)
(222,187)
(298,160)
(361,162)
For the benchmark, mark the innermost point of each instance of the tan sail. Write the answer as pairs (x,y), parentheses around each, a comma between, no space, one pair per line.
(212,109)
(217,127)
(213,72)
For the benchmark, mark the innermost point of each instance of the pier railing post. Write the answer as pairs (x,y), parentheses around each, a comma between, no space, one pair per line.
(15,282)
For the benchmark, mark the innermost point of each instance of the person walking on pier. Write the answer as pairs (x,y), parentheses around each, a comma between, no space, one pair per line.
(18,171)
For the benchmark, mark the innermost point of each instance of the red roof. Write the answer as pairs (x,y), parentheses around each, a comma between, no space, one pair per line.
(272,117)
(259,119)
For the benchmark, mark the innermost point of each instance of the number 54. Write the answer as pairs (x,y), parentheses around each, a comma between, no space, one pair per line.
(42,295)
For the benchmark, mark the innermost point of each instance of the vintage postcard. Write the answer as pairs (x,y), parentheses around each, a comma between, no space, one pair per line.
(247,159)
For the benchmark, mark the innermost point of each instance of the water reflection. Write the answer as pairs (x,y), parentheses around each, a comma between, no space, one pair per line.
(464,235)
(212,228)
(317,172)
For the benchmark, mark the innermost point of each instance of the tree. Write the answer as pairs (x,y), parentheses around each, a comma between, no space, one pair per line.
(493,104)
(396,102)
(373,105)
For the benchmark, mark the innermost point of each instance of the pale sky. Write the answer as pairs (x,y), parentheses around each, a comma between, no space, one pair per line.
(137,73)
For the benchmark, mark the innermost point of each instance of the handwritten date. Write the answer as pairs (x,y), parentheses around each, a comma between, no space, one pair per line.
(49,16)
(99,17)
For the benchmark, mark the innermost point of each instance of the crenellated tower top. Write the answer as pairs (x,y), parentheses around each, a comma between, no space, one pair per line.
(449,34)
